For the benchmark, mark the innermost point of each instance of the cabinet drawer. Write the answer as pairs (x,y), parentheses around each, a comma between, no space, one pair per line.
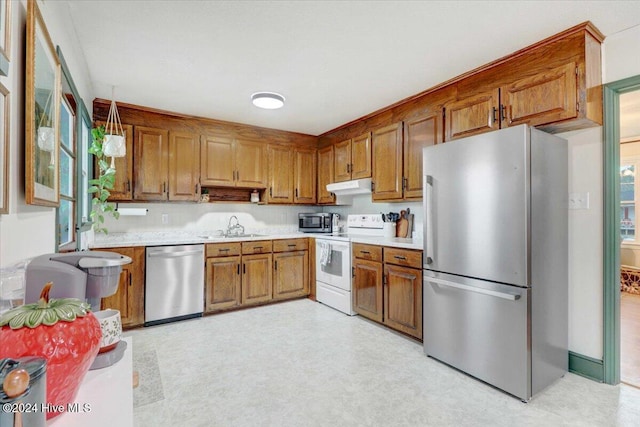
(403,257)
(288,245)
(223,249)
(257,247)
(370,252)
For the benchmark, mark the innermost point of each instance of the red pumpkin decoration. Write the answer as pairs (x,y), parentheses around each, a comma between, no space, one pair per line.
(63,332)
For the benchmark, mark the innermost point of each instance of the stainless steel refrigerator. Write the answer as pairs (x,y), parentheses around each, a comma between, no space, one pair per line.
(495,258)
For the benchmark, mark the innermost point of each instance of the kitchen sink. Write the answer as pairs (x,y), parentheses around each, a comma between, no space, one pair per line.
(243,235)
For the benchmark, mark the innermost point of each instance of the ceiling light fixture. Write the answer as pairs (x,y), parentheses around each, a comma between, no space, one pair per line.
(268,100)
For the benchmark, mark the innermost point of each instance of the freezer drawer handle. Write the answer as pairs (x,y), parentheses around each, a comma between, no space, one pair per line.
(503,295)
(173,254)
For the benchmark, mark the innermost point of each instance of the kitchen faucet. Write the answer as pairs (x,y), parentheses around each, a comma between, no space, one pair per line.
(236,228)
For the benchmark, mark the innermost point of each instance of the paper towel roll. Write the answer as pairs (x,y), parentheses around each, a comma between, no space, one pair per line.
(132,211)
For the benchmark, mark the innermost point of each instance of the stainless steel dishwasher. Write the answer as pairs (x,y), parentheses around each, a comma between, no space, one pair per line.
(174,283)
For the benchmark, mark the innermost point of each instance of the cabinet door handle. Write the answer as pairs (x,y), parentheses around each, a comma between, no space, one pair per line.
(237,175)
(197,188)
(270,192)
(402,258)
(353,272)
(373,186)
(503,113)
(257,247)
(128,185)
(296,193)
(404,183)
(365,252)
(244,268)
(492,117)
(223,250)
(292,245)
(164,187)
(238,268)
(348,168)
(130,281)
(275,265)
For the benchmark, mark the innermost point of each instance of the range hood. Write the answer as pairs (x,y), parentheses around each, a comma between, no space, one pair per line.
(345,190)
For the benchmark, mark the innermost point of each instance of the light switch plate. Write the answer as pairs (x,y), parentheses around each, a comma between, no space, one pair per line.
(579,200)
(165,218)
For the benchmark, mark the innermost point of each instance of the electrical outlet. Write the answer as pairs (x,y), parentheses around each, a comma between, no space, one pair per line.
(579,200)
(165,219)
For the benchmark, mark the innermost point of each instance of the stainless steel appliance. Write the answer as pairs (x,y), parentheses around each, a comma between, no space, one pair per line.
(174,283)
(495,259)
(333,261)
(318,222)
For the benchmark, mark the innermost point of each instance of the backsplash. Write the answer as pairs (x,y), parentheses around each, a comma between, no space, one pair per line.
(362,204)
(207,217)
(255,218)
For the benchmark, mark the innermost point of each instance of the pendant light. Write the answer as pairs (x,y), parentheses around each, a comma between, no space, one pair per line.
(115,144)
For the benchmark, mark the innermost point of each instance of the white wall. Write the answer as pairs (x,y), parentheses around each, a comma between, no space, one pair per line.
(28,230)
(585,243)
(620,60)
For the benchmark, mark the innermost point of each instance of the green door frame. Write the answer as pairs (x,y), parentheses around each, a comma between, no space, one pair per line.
(611,248)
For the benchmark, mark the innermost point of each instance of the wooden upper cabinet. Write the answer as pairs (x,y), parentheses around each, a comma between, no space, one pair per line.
(342,161)
(123,185)
(387,162)
(325,175)
(217,167)
(231,162)
(546,97)
(352,158)
(361,156)
(304,176)
(184,166)
(477,113)
(281,174)
(151,157)
(419,132)
(250,161)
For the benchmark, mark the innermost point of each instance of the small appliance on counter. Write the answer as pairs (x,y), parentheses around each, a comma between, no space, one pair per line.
(318,222)
(85,275)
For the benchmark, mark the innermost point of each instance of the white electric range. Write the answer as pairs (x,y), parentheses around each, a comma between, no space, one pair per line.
(333,260)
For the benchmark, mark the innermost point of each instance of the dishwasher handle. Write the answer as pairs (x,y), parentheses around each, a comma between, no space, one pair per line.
(178,254)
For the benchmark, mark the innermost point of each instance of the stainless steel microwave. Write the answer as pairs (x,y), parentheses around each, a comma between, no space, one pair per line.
(317,222)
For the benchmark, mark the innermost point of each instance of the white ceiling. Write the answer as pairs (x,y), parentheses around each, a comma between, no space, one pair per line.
(333,61)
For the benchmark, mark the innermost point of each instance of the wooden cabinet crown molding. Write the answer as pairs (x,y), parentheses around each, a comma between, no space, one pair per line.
(580,43)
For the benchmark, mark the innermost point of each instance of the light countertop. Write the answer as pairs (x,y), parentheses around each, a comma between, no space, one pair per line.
(106,394)
(158,238)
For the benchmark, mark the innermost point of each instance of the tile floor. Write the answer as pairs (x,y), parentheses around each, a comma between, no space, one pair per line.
(301,363)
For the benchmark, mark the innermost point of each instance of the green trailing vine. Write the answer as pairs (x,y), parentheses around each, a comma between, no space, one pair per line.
(100,186)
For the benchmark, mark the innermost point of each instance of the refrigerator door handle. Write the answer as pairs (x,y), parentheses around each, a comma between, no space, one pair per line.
(428,243)
(503,295)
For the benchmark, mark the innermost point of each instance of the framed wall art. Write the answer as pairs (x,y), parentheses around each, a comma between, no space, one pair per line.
(42,105)
(4,150)
(5,36)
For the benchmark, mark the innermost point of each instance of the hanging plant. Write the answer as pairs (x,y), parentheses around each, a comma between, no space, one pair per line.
(100,186)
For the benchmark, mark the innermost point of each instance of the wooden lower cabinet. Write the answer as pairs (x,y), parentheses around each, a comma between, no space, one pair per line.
(387,286)
(290,274)
(403,299)
(256,278)
(223,280)
(367,288)
(129,298)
